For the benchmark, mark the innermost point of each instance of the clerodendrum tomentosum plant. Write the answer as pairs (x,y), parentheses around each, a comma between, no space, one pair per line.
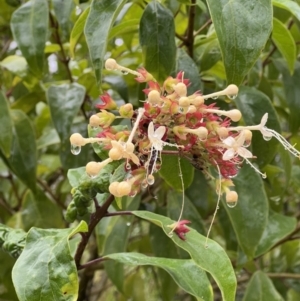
(185,193)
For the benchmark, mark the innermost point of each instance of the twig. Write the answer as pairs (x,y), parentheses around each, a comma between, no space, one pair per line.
(64,59)
(95,218)
(284,275)
(92,262)
(190,29)
(117,213)
(207,23)
(266,60)
(53,196)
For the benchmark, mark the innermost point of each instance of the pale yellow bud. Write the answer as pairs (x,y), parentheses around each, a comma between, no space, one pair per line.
(77,139)
(180,89)
(94,121)
(222,132)
(111,64)
(184,101)
(123,188)
(93,168)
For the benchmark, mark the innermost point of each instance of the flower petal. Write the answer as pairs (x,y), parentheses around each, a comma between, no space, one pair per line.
(243,152)
(151,130)
(229,154)
(159,132)
(229,141)
(264,120)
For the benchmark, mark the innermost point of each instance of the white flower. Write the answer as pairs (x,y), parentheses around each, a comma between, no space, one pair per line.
(235,147)
(156,136)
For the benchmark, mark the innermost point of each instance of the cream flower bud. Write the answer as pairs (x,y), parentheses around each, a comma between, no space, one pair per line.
(126,111)
(198,101)
(77,139)
(222,132)
(111,64)
(184,101)
(92,168)
(180,89)
(231,198)
(115,154)
(235,115)
(123,188)
(113,188)
(154,97)
(94,121)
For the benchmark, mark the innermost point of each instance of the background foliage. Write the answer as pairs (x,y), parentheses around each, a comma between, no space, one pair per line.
(51,63)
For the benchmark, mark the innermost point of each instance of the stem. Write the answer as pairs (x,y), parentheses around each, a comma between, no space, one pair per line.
(207,23)
(190,29)
(53,196)
(118,213)
(64,59)
(284,275)
(95,218)
(85,265)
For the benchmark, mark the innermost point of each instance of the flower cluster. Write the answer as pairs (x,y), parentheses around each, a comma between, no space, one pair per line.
(199,132)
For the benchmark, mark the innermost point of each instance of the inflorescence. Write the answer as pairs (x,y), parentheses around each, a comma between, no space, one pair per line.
(201,133)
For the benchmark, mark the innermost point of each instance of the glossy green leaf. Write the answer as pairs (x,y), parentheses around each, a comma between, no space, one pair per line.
(46,270)
(116,241)
(174,205)
(23,159)
(64,102)
(205,258)
(62,10)
(261,288)
(78,30)
(15,64)
(186,273)
(75,175)
(254,104)
(6,126)
(157,39)
(186,64)
(98,24)
(28,102)
(250,216)
(170,172)
(243,28)
(124,27)
(35,212)
(29,25)
(278,227)
(292,92)
(285,43)
(289,5)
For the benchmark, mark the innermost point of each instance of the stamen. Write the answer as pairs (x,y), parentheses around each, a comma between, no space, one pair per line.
(263,175)
(140,115)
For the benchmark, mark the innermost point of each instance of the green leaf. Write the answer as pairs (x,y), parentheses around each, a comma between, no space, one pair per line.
(289,5)
(6,126)
(78,30)
(170,172)
(261,288)
(249,217)
(278,227)
(253,105)
(98,24)
(185,63)
(292,92)
(129,26)
(35,212)
(174,204)
(27,102)
(29,25)
(116,241)
(185,272)
(285,43)
(46,270)
(157,39)
(243,28)
(23,159)
(15,64)
(75,175)
(205,258)
(64,102)
(62,10)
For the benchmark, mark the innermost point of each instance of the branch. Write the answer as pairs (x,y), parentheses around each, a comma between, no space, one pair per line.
(64,59)
(95,218)
(117,213)
(207,23)
(190,29)
(284,275)
(53,196)
(92,262)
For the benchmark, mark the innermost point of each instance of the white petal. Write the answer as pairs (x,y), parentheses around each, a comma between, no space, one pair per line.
(150,130)
(243,152)
(264,120)
(265,132)
(159,132)
(229,154)
(229,141)
(241,139)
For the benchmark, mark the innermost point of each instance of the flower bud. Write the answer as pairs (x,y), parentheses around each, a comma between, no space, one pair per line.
(235,115)
(111,64)
(106,118)
(231,198)
(115,154)
(222,132)
(180,89)
(154,97)
(198,101)
(123,188)
(77,139)
(126,111)
(108,103)
(92,168)
(94,121)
